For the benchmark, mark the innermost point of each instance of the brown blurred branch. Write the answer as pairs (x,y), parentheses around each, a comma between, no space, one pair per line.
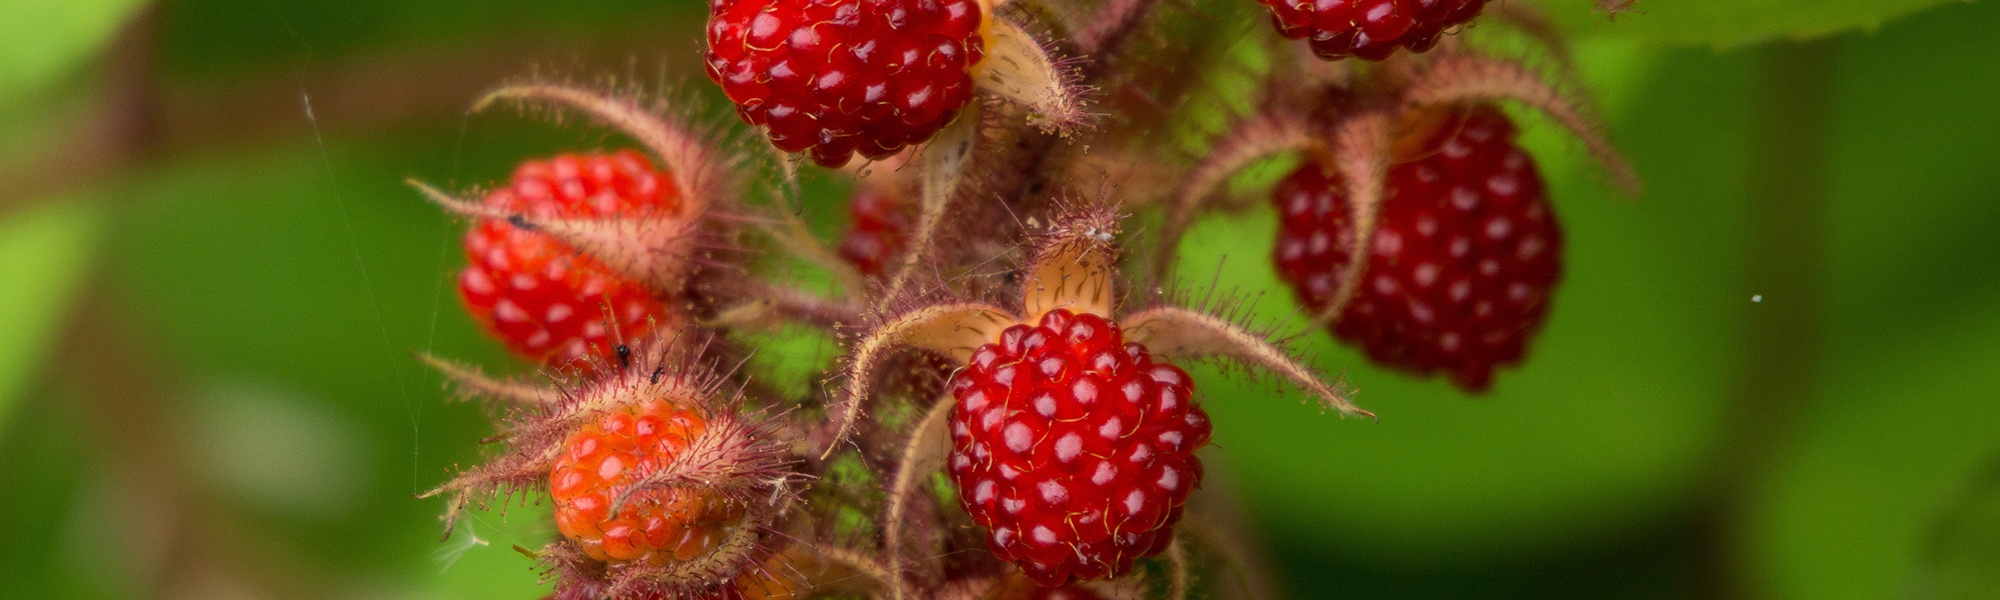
(187,545)
(123,126)
(141,115)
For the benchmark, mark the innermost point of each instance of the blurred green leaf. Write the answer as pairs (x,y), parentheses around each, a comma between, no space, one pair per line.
(1731,22)
(45,253)
(1852,512)
(223,37)
(313,274)
(1906,421)
(39,41)
(1961,553)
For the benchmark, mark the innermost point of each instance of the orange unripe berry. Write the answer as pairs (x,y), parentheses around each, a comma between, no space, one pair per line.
(602,460)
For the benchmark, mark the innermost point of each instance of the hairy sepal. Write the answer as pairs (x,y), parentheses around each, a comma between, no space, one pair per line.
(735,455)
(471,383)
(954,330)
(925,453)
(1457,78)
(1252,140)
(657,249)
(1020,68)
(1181,333)
(945,159)
(1075,265)
(1361,154)
(699,171)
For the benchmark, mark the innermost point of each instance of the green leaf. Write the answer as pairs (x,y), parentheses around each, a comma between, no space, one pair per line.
(1906,425)
(40,41)
(1731,22)
(44,254)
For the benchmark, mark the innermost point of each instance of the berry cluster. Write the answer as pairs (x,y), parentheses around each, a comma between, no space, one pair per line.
(599,463)
(1369,29)
(1416,230)
(1462,261)
(1074,448)
(836,78)
(540,297)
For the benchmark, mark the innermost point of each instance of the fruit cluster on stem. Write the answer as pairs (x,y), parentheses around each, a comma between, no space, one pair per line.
(1007,416)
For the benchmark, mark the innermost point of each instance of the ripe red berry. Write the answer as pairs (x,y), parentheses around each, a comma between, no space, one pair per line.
(835,77)
(1465,253)
(1073,448)
(655,528)
(1370,29)
(543,299)
(880,223)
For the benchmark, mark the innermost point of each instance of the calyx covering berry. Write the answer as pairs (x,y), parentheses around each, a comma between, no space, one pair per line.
(546,301)
(1369,29)
(601,460)
(833,78)
(1074,448)
(1465,252)
(662,487)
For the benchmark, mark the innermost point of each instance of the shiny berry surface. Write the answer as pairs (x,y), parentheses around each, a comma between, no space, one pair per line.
(1074,448)
(541,298)
(1369,29)
(879,223)
(602,459)
(832,78)
(1464,257)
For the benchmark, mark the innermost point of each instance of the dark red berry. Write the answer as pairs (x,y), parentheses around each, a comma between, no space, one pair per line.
(1370,29)
(1465,253)
(1073,448)
(544,300)
(880,222)
(836,77)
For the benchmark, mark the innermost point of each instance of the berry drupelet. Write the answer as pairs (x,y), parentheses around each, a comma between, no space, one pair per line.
(544,300)
(1369,29)
(1074,448)
(833,78)
(1464,256)
(602,459)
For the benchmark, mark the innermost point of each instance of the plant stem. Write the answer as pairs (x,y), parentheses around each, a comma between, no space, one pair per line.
(1782,292)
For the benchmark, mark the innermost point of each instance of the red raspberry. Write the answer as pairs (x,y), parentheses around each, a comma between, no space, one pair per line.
(1370,29)
(835,77)
(655,528)
(1074,449)
(880,223)
(543,299)
(1465,252)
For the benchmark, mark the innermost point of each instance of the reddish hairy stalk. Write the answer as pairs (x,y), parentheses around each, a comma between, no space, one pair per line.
(1453,78)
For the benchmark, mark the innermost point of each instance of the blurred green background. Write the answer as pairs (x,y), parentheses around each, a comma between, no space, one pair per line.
(1776,374)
